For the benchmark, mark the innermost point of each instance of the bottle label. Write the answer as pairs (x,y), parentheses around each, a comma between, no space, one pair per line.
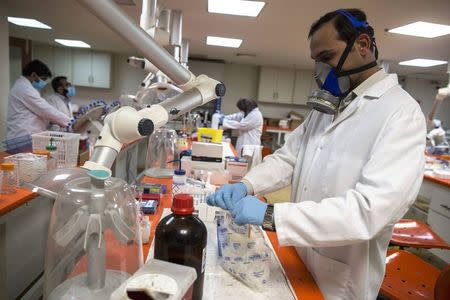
(204,260)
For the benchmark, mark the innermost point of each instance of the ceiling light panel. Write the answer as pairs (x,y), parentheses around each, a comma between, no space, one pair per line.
(73,43)
(236,7)
(422,62)
(223,42)
(423,29)
(25,22)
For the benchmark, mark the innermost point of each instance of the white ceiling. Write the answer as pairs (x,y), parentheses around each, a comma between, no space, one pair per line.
(278,36)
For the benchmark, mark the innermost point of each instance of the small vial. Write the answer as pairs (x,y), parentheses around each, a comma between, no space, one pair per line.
(8,178)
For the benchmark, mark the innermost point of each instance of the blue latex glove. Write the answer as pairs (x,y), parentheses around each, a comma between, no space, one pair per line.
(227,196)
(221,119)
(249,210)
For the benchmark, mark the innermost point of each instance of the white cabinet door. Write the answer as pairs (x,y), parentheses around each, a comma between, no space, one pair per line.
(302,89)
(63,62)
(82,62)
(285,85)
(267,84)
(101,70)
(44,54)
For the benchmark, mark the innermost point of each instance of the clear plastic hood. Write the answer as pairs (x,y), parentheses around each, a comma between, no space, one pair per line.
(94,241)
(52,182)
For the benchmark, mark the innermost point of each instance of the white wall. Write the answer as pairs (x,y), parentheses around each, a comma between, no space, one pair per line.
(425,91)
(4,70)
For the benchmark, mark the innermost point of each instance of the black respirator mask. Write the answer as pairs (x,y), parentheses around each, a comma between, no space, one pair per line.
(334,83)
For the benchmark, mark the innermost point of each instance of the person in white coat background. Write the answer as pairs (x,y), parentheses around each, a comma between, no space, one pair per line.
(28,112)
(355,165)
(248,121)
(60,99)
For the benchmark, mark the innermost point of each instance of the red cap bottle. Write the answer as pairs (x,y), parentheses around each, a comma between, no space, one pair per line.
(183,204)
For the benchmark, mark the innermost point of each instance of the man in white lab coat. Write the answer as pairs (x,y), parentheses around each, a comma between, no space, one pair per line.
(355,165)
(61,97)
(248,122)
(28,112)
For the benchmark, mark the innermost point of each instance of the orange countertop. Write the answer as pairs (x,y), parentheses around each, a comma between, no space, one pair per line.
(11,201)
(435,179)
(429,175)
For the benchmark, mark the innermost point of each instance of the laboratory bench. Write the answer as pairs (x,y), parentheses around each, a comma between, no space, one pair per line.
(24,222)
(436,191)
(299,279)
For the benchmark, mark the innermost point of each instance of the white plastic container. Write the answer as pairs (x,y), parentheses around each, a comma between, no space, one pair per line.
(159,277)
(66,143)
(145,229)
(28,166)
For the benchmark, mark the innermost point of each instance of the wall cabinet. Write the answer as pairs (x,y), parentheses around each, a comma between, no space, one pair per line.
(276,85)
(92,69)
(81,67)
(287,86)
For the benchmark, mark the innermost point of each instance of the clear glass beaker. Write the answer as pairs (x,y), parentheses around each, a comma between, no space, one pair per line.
(161,152)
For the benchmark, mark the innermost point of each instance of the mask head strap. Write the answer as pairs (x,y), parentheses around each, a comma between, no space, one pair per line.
(355,24)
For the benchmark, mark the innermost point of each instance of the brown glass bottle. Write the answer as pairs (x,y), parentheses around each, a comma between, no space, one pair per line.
(181,238)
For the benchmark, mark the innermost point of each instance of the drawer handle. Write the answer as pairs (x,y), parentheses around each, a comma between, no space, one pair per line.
(445,206)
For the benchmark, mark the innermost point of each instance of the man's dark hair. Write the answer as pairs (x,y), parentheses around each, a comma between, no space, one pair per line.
(56,82)
(246,105)
(37,67)
(344,27)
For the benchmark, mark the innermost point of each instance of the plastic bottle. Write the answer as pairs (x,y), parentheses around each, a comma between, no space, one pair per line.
(215,120)
(145,229)
(181,238)
(178,181)
(52,161)
(8,179)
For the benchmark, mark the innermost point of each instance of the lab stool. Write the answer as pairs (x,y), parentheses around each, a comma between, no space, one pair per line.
(416,234)
(409,277)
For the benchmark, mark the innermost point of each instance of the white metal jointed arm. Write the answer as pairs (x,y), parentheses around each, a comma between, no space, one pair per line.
(127,124)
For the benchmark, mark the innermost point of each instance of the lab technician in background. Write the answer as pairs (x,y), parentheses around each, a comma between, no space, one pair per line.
(436,136)
(355,165)
(28,112)
(60,99)
(248,121)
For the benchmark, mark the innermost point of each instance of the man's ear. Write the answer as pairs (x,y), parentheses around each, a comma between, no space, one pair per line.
(363,44)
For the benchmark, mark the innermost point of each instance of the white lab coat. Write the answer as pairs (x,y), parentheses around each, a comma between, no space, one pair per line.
(61,103)
(352,179)
(249,127)
(28,112)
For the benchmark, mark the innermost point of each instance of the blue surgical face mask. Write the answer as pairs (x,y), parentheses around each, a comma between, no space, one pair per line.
(39,85)
(70,91)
